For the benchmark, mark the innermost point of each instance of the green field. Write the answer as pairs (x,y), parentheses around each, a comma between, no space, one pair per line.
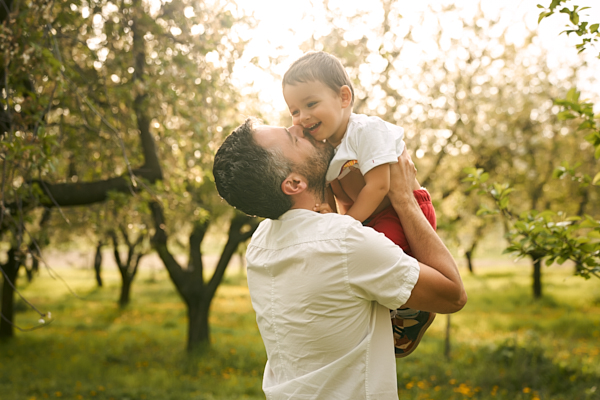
(503,345)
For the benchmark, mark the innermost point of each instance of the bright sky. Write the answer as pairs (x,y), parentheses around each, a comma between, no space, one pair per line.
(284,25)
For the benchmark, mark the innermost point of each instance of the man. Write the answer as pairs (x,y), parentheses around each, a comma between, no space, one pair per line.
(322,285)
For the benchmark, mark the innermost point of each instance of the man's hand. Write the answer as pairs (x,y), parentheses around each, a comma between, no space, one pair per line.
(323,208)
(403,178)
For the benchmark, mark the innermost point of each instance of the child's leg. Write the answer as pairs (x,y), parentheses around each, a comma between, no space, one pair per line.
(424,200)
(388,223)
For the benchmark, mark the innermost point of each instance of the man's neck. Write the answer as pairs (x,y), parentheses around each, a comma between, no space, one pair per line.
(306,200)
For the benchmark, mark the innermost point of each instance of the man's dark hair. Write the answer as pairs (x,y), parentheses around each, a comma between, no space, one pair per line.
(249,176)
(321,67)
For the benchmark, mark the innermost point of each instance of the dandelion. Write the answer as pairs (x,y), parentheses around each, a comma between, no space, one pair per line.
(526,390)
(494,390)
(409,385)
(453,381)
(58,394)
(463,389)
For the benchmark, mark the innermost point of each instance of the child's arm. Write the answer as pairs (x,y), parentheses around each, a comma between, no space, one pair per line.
(377,186)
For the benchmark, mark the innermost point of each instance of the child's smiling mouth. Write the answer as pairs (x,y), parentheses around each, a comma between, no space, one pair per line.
(313,127)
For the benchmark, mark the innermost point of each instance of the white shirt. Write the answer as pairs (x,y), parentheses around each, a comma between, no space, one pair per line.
(322,286)
(369,140)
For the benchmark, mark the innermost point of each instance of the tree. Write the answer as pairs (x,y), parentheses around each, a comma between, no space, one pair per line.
(119,85)
(127,268)
(549,234)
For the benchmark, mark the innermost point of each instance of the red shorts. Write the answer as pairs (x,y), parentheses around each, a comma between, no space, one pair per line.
(388,223)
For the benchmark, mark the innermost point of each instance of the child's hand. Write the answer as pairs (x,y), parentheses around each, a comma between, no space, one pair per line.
(323,208)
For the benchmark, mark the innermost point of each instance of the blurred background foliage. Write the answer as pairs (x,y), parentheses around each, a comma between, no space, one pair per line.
(111,111)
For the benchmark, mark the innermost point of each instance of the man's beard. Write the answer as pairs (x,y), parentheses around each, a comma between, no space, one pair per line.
(315,168)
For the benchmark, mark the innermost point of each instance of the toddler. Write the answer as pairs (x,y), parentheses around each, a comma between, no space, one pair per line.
(319,95)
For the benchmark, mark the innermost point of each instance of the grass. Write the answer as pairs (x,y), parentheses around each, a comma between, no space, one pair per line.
(504,344)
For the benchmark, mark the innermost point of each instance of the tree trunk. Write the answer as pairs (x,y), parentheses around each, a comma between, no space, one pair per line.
(469,257)
(189,282)
(98,263)
(127,269)
(125,290)
(537,278)
(447,340)
(198,326)
(10,271)
(35,262)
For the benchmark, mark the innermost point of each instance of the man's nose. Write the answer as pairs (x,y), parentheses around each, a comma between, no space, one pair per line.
(297,130)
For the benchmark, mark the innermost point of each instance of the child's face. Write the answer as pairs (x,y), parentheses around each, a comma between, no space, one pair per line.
(318,109)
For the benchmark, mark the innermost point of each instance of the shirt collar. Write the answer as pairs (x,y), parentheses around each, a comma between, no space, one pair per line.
(295,213)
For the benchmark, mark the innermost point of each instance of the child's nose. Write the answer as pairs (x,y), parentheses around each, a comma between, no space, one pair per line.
(302,116)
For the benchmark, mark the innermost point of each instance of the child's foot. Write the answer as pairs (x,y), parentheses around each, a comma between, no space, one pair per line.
(409,327)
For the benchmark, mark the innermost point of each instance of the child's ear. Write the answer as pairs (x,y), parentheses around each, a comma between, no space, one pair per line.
(346,96)
(293,184)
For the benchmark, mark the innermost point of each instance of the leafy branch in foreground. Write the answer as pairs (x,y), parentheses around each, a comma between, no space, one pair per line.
(589,33)
(576,108)
(547,234)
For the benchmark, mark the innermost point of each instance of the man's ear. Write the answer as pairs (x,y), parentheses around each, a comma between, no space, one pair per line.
(294,184)
(346,96)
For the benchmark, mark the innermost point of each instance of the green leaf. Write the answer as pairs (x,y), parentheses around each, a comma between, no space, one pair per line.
(597,152)
(573,95)
(594,28)
(574,17)
(544,15)
(564,115)
(596,179)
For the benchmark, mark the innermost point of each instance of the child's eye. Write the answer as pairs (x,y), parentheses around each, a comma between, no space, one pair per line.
(293,113)
(312,104)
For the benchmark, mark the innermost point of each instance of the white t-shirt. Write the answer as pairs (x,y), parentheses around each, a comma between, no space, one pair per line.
(369,140)
(322,286)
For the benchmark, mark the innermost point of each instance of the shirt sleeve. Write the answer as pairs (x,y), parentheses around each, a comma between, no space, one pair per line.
(378,270)
(377,142)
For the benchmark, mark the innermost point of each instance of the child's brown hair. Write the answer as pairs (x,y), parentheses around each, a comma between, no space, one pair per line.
(318,66)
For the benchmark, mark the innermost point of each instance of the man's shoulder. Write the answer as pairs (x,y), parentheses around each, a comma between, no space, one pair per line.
(298,226)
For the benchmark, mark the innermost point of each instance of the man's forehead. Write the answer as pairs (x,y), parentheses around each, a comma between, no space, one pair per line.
(268,136)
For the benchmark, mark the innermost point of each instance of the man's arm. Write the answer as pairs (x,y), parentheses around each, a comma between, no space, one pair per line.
(439,288)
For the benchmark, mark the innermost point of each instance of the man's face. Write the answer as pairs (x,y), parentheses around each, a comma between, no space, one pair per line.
(308,157)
